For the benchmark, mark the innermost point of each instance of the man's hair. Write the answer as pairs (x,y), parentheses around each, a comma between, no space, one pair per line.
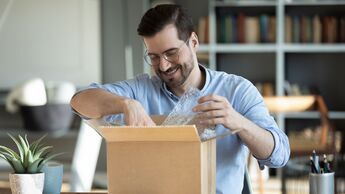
(155,19)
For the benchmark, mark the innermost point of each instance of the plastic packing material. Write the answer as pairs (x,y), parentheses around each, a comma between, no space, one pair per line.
(182,114)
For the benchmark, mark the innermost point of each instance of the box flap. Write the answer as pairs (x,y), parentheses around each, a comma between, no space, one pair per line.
(157,133)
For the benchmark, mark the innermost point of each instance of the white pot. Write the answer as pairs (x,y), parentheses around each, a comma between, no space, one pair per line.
(27,183)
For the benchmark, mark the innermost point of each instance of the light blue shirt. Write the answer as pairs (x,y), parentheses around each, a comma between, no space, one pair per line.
(232,154)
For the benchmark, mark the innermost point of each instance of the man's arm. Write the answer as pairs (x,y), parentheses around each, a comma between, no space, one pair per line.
(96,103)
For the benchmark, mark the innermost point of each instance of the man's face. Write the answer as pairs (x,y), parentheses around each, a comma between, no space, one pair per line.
(174,71)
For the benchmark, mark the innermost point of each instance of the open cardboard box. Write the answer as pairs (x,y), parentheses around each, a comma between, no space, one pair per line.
(158,160)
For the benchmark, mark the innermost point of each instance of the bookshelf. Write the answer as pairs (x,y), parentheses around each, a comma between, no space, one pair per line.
(319,65)
(304,63)
(309,56)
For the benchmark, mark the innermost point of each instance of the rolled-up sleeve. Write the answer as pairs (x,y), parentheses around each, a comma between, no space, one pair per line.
(253,107)
(281,151)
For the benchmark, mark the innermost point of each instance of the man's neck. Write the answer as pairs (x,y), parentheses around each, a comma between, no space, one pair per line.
(196,79)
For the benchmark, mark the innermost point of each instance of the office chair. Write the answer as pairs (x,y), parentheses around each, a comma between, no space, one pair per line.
(247,185)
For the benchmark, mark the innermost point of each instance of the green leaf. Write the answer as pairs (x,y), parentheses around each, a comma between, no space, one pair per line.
(23,144)
(33,168)
(17,166)
(7,160)
(3,157)
(41,151)
(26,141)
(20,148)
(10,151)
(28,159)
(36,144)
(45,160)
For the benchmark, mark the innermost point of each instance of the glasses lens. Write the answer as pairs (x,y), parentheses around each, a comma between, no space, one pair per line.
(147,59)
(172,57)
(152,59)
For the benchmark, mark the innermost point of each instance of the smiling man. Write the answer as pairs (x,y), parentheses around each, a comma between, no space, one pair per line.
(230,102)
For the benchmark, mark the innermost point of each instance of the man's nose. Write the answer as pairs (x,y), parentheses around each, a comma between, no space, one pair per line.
(164,64)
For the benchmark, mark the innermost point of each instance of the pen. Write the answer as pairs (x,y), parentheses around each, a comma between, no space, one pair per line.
(325,164)
(312,165)
(316,162)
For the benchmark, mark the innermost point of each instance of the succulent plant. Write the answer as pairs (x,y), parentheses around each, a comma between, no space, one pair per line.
(30,158)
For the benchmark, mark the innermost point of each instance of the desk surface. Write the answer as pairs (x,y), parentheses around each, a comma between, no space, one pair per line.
(8,191)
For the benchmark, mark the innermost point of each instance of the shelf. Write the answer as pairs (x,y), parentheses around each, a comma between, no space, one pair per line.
(302,48)
(249,3)
(314,3)
(314,115)
(204,48)
(245,48)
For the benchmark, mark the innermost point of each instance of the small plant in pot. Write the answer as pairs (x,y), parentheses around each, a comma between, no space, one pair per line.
(27,164)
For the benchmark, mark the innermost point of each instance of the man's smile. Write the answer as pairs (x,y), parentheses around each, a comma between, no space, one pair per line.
(171,71)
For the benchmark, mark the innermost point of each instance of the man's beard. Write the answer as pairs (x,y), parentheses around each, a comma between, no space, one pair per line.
(185,71)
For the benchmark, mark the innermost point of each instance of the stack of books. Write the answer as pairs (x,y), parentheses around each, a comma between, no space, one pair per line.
(240,28)
(314,29)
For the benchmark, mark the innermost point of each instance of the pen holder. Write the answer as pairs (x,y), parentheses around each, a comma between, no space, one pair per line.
(321,183)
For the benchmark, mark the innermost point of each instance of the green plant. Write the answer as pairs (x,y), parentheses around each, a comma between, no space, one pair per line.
(31,157)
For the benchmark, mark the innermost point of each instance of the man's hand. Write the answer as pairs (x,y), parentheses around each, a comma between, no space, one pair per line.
(214,109)
(135,114)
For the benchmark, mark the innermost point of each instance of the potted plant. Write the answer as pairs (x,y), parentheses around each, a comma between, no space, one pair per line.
(27,164)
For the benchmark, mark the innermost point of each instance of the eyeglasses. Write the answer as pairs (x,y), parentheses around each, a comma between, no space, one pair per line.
(171,55)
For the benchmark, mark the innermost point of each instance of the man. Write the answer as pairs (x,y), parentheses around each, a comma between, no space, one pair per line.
(230,102)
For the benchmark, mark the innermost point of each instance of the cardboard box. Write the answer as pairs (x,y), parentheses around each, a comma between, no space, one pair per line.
(159,160)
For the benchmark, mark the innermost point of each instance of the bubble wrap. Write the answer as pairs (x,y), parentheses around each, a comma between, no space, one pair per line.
(182,114)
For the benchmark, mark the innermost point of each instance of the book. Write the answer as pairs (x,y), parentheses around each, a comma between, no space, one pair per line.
(342,29)
(271,29)
(295,29)
(228,29)
(317,29)
(263,28)
(241,28)
(288,29)
(251,30)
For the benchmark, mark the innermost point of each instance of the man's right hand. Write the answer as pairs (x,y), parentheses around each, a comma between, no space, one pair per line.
(135,114)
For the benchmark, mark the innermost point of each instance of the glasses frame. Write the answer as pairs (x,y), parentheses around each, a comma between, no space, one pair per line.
(164,56)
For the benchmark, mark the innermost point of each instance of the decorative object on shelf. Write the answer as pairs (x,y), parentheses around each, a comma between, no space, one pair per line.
(27,164)
(289,103)
(29,93)
(44,106)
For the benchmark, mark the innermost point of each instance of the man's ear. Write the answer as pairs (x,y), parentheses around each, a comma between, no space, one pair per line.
(195,41)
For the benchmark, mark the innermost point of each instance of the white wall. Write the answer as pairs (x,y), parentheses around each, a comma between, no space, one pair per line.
(52,39)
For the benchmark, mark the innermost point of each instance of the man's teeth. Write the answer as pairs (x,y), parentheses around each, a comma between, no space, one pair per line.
(171,72)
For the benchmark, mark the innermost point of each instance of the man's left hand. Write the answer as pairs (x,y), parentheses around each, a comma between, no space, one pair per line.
(213,109)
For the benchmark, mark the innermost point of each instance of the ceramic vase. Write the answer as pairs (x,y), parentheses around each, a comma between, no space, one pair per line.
(27,183)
